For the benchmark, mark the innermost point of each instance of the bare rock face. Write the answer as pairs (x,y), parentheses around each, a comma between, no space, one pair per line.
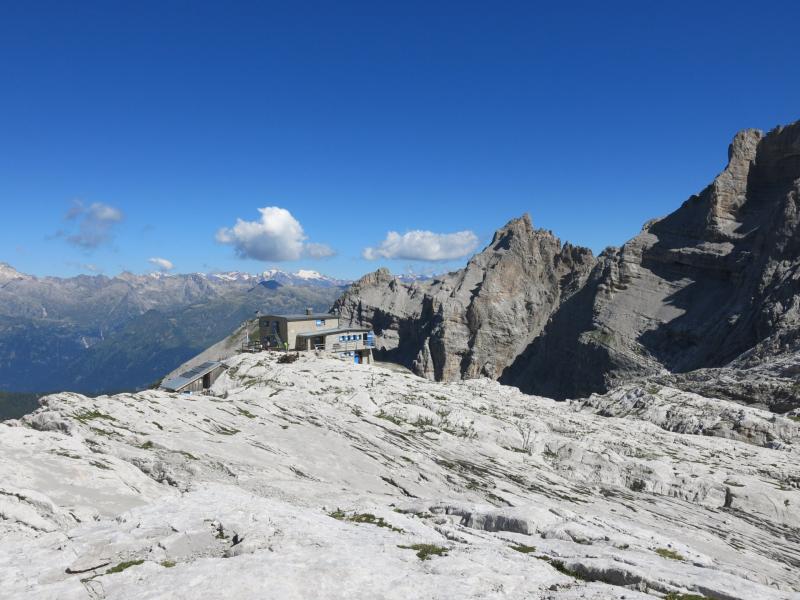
(766,376)
(473,322)
(685,412)
(715,283)
(705,299)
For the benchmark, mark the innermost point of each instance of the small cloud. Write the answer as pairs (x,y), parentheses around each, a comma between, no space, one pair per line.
(424,245)
(93,224)
(415,271)
(276,236)
(162,264)
(313,250)
(91,267)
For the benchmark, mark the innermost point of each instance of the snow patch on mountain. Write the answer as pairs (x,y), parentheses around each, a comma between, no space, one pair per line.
(9,273)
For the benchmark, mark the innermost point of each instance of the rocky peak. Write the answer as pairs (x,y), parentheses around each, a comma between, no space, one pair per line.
(378,277)
(694,290)
(472,322)
(9,273)
(742,149)
(518,228)
(729,187)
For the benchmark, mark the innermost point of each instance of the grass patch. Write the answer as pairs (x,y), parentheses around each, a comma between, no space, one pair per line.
(793,418)
(65,454)
(423,422)
(158,425)
(523,548)
(168,564)
(89,415)
(677,596)
(103,432)
(341,515)
(637,485)
(245,413)
(388,417)
(122,566)
(561,567)
(227,430)
(425,551)
(667,553)
(148,445)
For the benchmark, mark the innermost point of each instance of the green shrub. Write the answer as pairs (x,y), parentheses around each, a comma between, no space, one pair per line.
(637,485)
(667,553)
(369,518)
(425,551)
(87,415)
(388,417)
(122,566)
(561,567)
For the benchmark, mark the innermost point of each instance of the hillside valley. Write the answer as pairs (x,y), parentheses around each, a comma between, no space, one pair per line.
(97,334)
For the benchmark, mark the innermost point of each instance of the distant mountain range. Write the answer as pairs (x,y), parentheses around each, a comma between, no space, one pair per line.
(302,277)
(98,334)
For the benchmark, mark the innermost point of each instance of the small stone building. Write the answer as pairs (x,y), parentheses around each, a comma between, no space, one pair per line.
(320,331)
(196,379)
(275,330)
(343,341)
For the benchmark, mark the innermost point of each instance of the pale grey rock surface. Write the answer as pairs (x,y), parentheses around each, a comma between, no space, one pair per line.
(230,495)
(685,412)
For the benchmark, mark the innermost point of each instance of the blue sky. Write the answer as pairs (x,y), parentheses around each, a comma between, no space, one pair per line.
(132,131)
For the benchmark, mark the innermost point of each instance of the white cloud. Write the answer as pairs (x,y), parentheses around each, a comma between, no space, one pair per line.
(319,250)
(93,224)
(103,212)
(162,263)
(424,245)
(91,267)
(276,236)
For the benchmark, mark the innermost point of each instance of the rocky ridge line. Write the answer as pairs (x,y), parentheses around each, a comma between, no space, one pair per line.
(706,298)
